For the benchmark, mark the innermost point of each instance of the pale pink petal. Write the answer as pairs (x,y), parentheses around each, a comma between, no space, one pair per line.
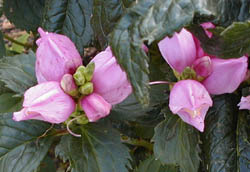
(226,76)
(244,103)
(179,51)
(95,107)
(190,100)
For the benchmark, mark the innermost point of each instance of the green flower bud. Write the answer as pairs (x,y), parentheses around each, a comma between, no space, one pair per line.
(89,70)
(82,120)
(188,73)
(87,88)
(79,76)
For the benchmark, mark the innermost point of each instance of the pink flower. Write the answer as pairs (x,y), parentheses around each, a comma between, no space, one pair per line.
(179,51)
(244,103)
(95,107)
(46,102)
(203,66)
(190,100)
(56,55)
(226,76)
(109,80)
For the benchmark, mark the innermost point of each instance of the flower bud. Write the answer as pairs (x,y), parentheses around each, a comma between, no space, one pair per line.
(87,88)
(179,51)
(46,102)
(190,100)
(244,103)
(56,55)
(226,76)
(89,70)
(79,76)
(109,80)
(95,107)
(68,85)
(203,66)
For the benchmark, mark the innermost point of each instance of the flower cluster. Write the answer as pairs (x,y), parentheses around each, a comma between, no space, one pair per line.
(67,87)
(199,75)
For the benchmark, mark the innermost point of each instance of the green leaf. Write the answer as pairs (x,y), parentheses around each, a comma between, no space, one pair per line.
(99,150)
(127,3)
(23,39)
(153,165)
(18,72)
(177,143)
(25,14)
(47,165)
(148,21)
(243,141)
(9,103)
(130,108)
(229,42)
(219,138)
(2,46)
(106,14)
(71,18)
(20,150)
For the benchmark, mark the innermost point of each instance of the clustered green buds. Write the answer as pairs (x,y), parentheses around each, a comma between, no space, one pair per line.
(188,73)
(83,77)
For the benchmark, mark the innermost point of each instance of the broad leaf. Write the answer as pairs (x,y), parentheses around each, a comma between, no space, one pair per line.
(106,13)
(18,72)
(10,103)
(71,18)
(243,141)
(154,165)
(47,165)
(2,46)
(20,148)
(25,14)
(99,150)
(177,143)
(219,138)
(229,42)
(148,21)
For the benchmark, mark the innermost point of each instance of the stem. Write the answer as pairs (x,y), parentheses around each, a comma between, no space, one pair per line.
(160,82)
(69,130)
(137,142)
(16,42)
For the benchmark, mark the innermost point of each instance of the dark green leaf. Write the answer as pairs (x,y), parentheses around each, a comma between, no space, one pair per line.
(20,150)
(130,108)
(99,150)
(18,72)
(47,165)
(153,165)
(25,14)
(243,141)
(127,3)
(2,46)
(148,21)
(71,18)
(219,138)
(232,41)
(106,13)
(9,103)
(177,143)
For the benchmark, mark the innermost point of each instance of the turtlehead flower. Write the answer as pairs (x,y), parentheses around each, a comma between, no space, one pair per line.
(95,107)
(56,55)
(68,85)
(226,76)
(244,103)
(203,66)
(109,80)
(179,51)
(46,102)
(191,101)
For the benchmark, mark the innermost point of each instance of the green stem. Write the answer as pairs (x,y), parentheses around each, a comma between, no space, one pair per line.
(137,142)
(16,42)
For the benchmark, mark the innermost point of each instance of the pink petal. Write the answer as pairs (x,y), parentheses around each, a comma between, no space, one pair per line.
(244,103)
(226,76)
(190,100)
(203,66)
(46,102)
(56,55)
(110,81)
(95,107)
(179,51)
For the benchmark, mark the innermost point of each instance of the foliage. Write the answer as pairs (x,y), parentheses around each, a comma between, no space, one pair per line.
(140,134)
